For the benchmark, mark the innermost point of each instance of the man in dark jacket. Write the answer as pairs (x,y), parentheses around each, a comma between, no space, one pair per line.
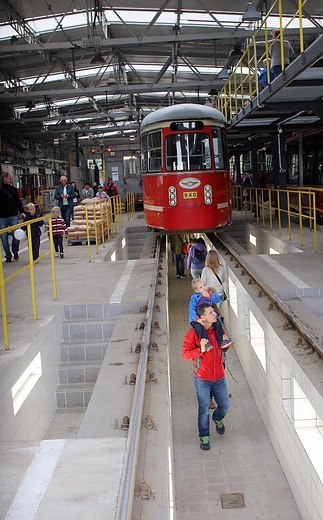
(208,375)
(10,206)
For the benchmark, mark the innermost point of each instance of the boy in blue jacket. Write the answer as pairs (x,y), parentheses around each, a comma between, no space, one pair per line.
(201,295)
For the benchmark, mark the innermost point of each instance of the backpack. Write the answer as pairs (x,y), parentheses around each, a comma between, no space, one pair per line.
(198,256)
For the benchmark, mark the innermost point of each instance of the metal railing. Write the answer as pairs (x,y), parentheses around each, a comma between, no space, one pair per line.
(5,278)
(242,86)
(130,204)
(103,226)
(284,206)
(103,218)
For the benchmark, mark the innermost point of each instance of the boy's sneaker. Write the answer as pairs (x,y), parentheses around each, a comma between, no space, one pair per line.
(219,426)
(226,343)
(205,443)
(61,255)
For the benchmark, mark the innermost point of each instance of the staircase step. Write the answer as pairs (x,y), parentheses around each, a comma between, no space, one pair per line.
(75,395)
(78,372)
(83,352)
(78,330)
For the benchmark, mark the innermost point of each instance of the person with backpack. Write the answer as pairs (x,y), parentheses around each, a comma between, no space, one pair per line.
(111,188)
(196,258)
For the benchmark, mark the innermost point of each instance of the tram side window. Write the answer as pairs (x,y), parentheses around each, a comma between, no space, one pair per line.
(218,149)
(144,153)
(189,151)
(151,152)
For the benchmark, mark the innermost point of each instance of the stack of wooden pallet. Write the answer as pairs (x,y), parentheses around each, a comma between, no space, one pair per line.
(93,215)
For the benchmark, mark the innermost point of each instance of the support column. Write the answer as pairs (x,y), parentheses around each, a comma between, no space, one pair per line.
(282,174)
(77,154)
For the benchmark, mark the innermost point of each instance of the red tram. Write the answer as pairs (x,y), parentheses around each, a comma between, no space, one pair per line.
(185,172)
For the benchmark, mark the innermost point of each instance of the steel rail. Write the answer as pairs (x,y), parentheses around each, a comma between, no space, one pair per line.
(304,331)
(126,492)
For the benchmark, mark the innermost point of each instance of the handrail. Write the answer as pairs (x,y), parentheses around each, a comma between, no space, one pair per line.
(291,316)
(130,204)
(242,87)
(110,211)
(6,279)
(113,215)
(264,203)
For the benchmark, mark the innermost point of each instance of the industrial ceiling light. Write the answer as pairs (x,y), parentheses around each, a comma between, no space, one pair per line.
(111,81)
(30,104)
(251,14)
(236,52)
(97,58)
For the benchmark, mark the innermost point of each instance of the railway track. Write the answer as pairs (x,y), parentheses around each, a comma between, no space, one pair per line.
(306,338)
(144,471)
(147,480)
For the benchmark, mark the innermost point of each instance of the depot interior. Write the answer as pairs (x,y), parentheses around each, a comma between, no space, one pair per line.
(75,85)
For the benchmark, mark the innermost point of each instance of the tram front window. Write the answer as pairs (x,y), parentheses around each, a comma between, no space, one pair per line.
(188,152)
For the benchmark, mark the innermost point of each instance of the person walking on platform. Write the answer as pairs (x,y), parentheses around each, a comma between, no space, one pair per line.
(87,192)
(59,228)
(196,258)
(111,188)
(208,375)
(10,206)
(177,247)
(34,228)
(64,194)
(215,275)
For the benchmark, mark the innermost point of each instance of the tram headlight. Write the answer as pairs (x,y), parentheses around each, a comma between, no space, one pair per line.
(172,197)
(208,194)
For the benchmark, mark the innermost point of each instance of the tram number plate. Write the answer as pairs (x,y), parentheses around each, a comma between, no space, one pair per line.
(190,194)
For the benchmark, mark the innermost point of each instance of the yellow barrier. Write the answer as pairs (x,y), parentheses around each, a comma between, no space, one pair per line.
(111,213)
(130,204)
(6,279)
(265,204)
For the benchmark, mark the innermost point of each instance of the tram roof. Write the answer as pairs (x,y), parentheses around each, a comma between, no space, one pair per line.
(183,112)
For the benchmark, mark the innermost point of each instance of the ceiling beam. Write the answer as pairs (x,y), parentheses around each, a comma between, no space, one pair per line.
(57,94)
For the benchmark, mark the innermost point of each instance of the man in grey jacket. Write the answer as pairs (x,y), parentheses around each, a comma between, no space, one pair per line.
(275,53)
